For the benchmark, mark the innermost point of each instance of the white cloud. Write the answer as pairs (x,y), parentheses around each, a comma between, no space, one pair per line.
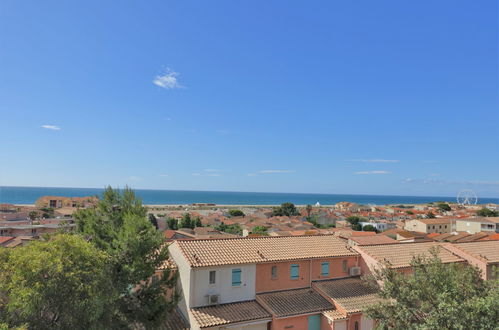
(276,171)
(372,172)
(214,174)
(374,160)
(168,80)
(211,170)
(51,127)
(163,175)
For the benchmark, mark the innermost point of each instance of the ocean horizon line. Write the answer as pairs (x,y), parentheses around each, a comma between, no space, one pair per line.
(29,194)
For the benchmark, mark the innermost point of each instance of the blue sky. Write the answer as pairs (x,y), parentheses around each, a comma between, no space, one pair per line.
(362,97)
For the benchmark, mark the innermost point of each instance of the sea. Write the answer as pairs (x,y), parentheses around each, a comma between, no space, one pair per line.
(28,195)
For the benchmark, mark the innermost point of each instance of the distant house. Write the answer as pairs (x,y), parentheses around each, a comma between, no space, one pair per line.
(379,226)
(478,224)
(58,202)
(429,226)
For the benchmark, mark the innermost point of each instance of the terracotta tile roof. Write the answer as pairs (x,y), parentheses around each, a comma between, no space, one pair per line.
(350,293)
(373,240)
(175,321)
(293,302)
(4,239)
(224,314)
(334,315)
(436,221)
(488,251)
(214,252)
(401,255)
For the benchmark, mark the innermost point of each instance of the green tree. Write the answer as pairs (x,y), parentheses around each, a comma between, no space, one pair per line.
(260,230)
(436,296)
(33,215)
(286,209)
(186,221)
(369,228)
(309,210)
(443,207)
(172,223)
(119,226)
(430,215)
(409,212)
(197,222)
(354,222)
(485,212)
(47,212)
(62,283)
(153,220)
(236,213)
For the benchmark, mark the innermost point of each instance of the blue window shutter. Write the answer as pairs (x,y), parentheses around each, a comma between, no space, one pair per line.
(236,277)
(325,268)
(295,271)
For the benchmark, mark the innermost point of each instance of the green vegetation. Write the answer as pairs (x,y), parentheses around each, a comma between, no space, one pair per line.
(231,229)
(286,209)
(313,220)
(119,227)
(153,220)
(260,230)
(47,212)
(354,222)
(443,207)
(430,215)
(172,223)
(188,222)
(62,283)
(485,212)
(369,228)
(309,210)
(236,213)
(409,212)
(437,296)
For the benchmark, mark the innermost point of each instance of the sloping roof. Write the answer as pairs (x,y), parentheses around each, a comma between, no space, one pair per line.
(294,302)
(436,221)
(4,239)
(213,252)
(401,255)
(210,316)
(373,240)
(175,321)
(334,314)
(485,250)
(350,293)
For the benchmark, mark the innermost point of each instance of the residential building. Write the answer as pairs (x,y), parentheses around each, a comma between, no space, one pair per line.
(478,224)
(267,282)
(438,225)
(483,254)
(57,202)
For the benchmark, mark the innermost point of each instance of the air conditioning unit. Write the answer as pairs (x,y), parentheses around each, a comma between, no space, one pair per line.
(213,299)
(354,271)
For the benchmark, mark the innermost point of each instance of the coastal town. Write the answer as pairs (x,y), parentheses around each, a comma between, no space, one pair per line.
(284,266)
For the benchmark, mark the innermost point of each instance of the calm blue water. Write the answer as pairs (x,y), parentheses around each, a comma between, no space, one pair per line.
(28,195)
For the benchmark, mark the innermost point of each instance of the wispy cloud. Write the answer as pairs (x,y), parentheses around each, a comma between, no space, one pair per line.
(51,127)
(211,170)
(276,171)
(163,175)
(251,174)
(213,174)
(451,182)
(168,80)
(374,160)
(371,172)
(196,174)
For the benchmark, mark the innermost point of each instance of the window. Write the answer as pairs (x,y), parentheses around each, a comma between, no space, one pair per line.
(295,271)
(273,272)
(236,277)
(325,269)
(344,266)
(213,276)
(356,325)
